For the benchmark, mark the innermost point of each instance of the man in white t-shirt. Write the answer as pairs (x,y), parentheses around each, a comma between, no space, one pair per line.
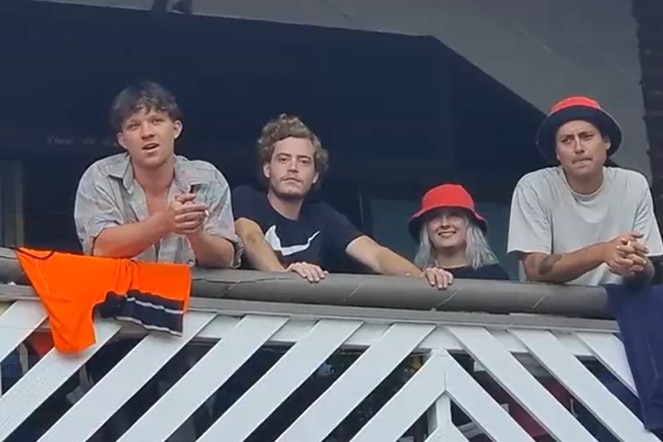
(581,222)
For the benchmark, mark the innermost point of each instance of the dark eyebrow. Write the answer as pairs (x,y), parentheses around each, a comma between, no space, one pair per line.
(581,133)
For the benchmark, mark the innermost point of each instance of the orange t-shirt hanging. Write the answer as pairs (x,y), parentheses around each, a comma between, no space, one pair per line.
(74,287)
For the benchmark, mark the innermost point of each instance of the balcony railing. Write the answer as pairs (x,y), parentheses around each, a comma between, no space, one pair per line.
(337,344)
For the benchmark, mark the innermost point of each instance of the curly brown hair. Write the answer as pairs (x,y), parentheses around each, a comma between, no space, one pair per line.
(290,126)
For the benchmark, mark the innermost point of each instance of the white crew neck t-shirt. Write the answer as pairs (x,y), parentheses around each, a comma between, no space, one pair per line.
(548,217)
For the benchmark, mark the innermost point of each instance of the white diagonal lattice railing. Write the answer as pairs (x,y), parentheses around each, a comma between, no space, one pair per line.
(232,332)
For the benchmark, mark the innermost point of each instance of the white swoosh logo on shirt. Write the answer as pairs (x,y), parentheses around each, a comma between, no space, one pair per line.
(273,240)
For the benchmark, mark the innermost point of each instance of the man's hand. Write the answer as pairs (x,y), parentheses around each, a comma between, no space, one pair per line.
(625,256)
(437,277)
(310,272)
(633,254)
(185,216)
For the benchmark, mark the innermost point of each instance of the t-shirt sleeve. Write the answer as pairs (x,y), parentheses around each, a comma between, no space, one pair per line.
(248,203)
(530,230)
(339,231)
(645,222)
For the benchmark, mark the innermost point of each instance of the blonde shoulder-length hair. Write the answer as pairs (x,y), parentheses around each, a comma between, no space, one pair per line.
(477,251)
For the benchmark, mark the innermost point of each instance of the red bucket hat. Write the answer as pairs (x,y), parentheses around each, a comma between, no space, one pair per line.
(445,196)
(576,108)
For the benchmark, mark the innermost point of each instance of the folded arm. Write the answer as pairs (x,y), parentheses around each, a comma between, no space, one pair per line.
(259,253)
(212,250)
(129,240)
(563,267)
(531,238)
(100,225)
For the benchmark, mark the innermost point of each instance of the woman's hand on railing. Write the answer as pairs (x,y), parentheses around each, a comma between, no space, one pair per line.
(438,277)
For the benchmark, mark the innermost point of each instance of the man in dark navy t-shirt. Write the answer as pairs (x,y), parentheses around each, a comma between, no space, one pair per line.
(318,230)
(283,231)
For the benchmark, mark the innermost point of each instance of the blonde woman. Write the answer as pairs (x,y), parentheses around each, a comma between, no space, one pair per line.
(451,235)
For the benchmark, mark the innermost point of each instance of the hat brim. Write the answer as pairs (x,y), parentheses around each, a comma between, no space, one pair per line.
(545,137)
(414,225)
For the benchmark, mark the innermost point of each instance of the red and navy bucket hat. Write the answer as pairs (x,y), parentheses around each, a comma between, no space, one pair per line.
(576,108)
(445,196)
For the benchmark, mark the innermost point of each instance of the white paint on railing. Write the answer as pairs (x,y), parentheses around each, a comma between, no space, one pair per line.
(130,374)
(360,379)
(440,374)
(204,378)
(447,434)
(280,381)
(369,334)
(17,323)
(421,391)
(585,387)
(487,413)
(431,389)
(53,370)
(439,416)
(516,380)
(609,350)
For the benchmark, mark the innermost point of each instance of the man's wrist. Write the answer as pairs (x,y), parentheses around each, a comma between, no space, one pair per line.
(159,222)
(603,251)
(196,235)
